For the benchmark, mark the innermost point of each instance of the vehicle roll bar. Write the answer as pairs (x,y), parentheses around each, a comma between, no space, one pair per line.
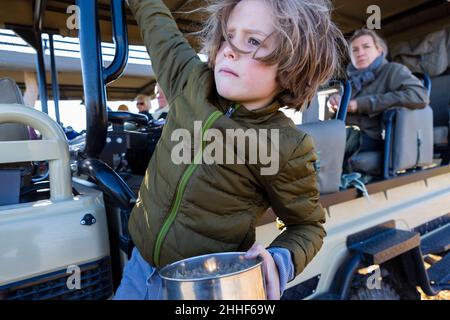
(425,79)
(95,76)
(345,93)
(120,38)
(53,147)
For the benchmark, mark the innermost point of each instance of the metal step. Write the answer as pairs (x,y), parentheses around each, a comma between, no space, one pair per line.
(385,245)
(437,241)
(439,273)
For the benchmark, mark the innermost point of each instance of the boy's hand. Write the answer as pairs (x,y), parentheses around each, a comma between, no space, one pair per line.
(270,270)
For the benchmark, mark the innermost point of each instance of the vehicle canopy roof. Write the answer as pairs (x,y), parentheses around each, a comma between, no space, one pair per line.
(400,20)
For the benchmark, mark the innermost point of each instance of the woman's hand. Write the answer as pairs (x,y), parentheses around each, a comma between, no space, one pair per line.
(335,100)
(352,106)
(270,270)
(333,103)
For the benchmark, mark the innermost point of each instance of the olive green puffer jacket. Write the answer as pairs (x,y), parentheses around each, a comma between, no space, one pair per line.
(187,210)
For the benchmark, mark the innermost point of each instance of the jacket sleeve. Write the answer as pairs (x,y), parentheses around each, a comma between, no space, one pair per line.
(171,55)
(406,91)
(294,197)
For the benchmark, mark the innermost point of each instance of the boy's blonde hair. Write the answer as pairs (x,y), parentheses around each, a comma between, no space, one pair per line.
(377,40)
(309,48)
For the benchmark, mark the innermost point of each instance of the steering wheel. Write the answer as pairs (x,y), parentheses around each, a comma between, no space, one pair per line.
(120,117)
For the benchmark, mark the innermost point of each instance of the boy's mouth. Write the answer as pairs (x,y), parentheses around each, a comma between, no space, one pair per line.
(228,72)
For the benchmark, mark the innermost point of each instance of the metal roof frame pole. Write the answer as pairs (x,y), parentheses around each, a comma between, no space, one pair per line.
(34,39)
(40,68)
(38,19)
(92,72)
(55,85)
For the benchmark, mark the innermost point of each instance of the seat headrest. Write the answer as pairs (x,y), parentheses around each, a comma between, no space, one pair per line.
(10,92)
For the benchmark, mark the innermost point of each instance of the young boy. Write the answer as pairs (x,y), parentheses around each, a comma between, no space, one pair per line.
(263,55)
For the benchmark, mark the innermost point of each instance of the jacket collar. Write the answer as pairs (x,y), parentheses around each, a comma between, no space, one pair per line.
(253,116)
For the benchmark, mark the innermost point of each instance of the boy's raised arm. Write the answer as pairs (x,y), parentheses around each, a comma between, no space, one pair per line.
(171,55)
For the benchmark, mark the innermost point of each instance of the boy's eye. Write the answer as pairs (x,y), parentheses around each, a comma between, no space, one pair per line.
(254,42)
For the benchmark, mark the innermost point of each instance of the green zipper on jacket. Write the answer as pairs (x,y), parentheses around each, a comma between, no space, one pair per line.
(181,188)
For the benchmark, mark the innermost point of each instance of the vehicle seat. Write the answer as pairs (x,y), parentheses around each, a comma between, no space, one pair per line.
(11,94)
(440,103)
(329,140)
(16,175)
(408,143)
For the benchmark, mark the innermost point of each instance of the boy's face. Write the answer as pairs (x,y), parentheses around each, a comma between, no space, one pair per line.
(364,51)
(239,77)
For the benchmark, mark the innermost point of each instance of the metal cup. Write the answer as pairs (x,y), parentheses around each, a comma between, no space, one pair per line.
(219,276)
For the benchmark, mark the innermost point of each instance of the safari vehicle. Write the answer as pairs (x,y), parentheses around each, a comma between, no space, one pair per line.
(379,235)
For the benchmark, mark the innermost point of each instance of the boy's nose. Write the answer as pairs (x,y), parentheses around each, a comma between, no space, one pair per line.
(228,52)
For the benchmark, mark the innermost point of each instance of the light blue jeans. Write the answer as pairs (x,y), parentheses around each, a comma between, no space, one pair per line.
(140,281)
